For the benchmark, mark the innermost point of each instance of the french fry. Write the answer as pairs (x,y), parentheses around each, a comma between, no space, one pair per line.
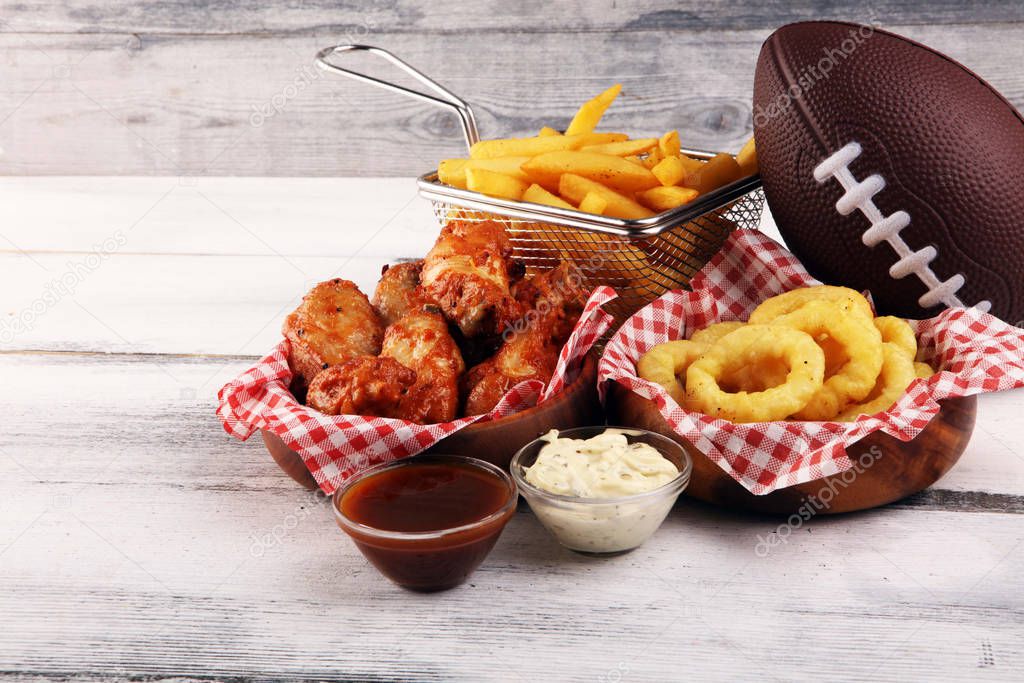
(665,198)
(669,144)
(747,158)
(589,115)
(507,165)
(615,172)
(690,164)
(675,170)
(670,171)
(452,172)
(494,184)
(593,203)
(720,170)
(591,139)
(528,147)
(653,157)
(575,189)
(625,148)
(612,174)
(538,195)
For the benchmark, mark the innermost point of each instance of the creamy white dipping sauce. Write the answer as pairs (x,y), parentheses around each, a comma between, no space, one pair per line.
(603,466)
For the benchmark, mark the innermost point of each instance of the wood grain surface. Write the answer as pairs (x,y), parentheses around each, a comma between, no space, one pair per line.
(191,88)
(139,542)
(531,16)
(215,264)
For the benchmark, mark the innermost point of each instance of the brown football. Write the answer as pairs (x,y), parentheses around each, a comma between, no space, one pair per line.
(892,168)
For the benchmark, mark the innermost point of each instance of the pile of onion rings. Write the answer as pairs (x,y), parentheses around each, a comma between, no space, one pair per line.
(814,353)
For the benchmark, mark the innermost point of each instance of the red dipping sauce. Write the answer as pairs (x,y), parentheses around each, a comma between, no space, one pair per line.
(427,522)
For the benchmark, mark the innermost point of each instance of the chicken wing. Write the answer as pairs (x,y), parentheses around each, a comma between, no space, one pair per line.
(361,386)
(553,300)
(415,378)
(398,292)
(555,297)
(468,274)
(528,354)
(334,322)
(421,341)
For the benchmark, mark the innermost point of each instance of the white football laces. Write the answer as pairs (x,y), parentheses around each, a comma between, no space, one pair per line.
(860,196)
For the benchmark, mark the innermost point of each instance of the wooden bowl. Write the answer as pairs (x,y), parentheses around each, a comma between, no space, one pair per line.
(904,468)
(495,441)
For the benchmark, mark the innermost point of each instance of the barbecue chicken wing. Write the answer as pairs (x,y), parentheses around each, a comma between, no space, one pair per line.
(361,386)
(528,354)
(468,274)
(398,292)
(334,322)
(421,341)
(555,295)
(416,377)
(532,346)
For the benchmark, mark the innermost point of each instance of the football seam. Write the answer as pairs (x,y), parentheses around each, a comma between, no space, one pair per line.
(859,195)
(782,68)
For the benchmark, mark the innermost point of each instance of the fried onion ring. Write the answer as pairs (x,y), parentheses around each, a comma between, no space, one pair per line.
(750,378)
(769,373)
(712,333)
(748,346)
(758,377)
(897,331)
(665,362)
(897,374)
(860,344)
(753,378)
(849,300)
(923,370)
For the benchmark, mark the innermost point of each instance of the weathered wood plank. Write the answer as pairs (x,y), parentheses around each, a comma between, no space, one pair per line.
(148,404)
(210,266)
(323,217)
(187,104)
(161,304)
(360,19)
(149,545)
(310,608)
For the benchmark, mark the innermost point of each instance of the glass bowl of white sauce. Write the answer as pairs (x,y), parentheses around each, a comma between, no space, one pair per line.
(601,490)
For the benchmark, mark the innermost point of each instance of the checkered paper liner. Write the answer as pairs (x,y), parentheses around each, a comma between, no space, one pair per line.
(335,447)
(974,352)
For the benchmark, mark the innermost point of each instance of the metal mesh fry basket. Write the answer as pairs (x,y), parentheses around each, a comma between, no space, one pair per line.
(642,259)
(639,268)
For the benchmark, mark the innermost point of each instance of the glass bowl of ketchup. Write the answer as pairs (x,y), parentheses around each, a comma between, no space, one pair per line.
(427,522)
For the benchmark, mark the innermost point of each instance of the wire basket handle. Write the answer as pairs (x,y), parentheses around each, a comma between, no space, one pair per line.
(444,98)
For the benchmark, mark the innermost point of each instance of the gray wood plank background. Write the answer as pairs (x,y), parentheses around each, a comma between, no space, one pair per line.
(193,87)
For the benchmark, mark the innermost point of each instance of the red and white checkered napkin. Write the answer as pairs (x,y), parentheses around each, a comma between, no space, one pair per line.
(976,353)
(336,447)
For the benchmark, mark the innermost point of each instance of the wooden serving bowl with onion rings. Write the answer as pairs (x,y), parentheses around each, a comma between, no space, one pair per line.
(904,467)
(495,441)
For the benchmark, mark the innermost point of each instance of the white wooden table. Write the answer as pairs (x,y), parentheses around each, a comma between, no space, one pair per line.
(138,540)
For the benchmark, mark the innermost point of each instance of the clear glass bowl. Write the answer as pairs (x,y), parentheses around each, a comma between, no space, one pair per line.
(429,560)
(604,525)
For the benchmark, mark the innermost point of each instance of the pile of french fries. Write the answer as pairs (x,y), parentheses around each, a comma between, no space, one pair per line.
(607,174)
